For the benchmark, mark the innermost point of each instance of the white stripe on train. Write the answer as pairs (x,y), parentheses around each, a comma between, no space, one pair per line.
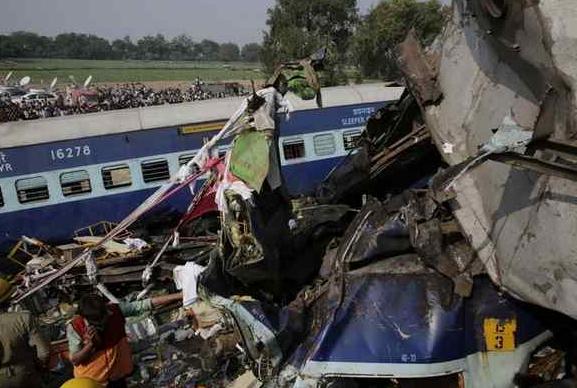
(10,196)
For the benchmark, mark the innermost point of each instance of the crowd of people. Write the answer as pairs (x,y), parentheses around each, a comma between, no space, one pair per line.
(103,98)
(139,95)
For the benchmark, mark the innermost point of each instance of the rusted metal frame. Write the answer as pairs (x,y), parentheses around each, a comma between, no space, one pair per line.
(15,249)
(33,249)
(118,260)
(101,228)
(391,148)
(418,71)
(386,161)
(534,164)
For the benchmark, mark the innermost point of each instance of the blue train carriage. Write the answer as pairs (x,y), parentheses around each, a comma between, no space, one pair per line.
(392,324)
(377,312)
(393,319)
(60,174)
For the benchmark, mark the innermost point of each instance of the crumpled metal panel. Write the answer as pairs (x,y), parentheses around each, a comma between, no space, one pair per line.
(396,318)
(524,64)
(418,71)
(380,234)
(385,318)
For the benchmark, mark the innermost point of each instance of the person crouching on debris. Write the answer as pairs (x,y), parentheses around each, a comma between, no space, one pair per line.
(97,341)
(19,334)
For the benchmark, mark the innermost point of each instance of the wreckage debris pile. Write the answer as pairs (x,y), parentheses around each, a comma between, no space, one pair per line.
(170,347)
(120,265)
(280,282)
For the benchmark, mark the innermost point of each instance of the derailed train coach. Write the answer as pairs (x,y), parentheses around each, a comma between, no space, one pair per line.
(403,297)
(61,174)
(378,311)
(393,324)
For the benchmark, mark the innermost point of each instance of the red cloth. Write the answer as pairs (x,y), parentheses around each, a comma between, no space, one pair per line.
(114,329)
(112,360)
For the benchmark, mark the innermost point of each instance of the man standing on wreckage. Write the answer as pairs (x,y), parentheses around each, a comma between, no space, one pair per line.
(255,208)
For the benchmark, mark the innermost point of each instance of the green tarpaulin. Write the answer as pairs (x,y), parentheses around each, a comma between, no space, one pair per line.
(249,160)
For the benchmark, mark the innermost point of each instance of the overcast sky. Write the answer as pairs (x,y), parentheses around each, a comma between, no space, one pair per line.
(239,21)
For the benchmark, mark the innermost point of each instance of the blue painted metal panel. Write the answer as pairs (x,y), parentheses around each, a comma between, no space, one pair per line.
(54,223)
(411,318)
(57,223)
(303,178)
(349,116)
(116,147)
(394,319)
(102,149)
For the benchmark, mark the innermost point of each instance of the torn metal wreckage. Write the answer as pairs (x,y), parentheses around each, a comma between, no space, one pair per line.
(438,254)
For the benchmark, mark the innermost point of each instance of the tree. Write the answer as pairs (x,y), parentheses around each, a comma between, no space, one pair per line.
(228,52)
(68,45)
(182,48)
(82,46)
(297,28)
(153,47)
(28,44)
(386,26)
(22,44)
(250,52)
(97,48)
(8,48)
(208,50)
(123,48)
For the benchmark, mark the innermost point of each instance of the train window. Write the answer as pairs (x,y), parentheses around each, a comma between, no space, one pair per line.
(116,176)
(155,170)
(351,138)
(293,149)
(75,182)
(32,189)
(1,199)
(324,144)
(183,159)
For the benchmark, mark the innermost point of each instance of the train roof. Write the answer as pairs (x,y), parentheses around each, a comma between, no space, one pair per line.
(20,133)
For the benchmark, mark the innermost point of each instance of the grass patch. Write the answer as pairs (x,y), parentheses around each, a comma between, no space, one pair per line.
(128,71)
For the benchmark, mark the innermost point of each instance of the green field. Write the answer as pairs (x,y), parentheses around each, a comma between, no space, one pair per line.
(128,71)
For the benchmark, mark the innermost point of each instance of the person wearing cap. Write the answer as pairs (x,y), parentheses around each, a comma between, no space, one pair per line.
(97,341)
(23,350)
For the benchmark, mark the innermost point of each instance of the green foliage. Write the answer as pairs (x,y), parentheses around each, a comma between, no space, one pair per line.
(123,49)
(81,46)
(251,52)
(229,52)
(297,28)
(25,43)
(44,70)
(208,50)
(182,48)
(151,47)
(380,32)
